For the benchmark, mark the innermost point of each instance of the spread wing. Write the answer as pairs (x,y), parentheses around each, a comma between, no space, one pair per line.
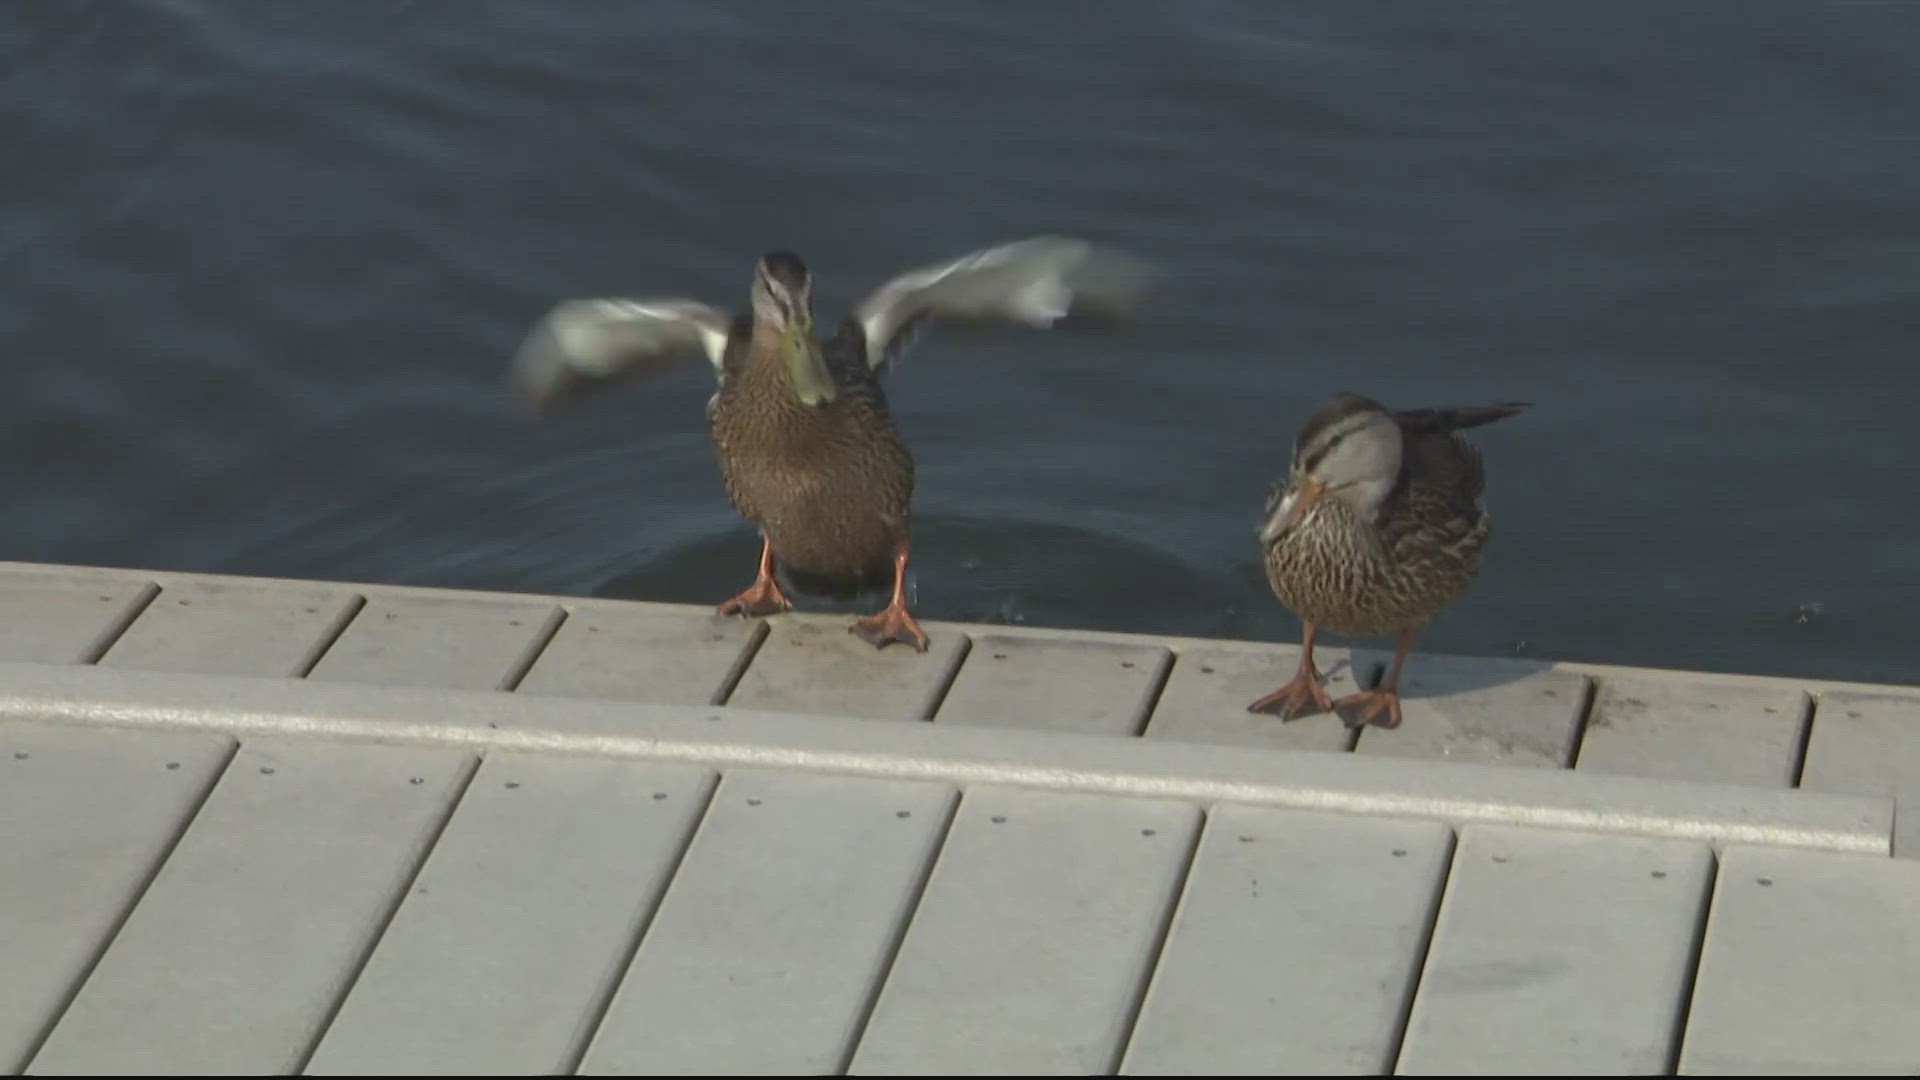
(584,341)
(1033,282)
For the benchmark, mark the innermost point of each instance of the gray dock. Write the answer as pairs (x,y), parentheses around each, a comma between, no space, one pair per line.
(262,826)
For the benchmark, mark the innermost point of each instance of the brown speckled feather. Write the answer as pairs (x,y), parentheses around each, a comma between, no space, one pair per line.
(831,485)
(1435,509)
(1367,578)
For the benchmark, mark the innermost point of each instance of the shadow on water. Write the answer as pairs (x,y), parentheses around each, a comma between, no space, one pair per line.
(985,571)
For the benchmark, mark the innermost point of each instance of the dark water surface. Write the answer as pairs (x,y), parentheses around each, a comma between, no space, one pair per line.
(262,263)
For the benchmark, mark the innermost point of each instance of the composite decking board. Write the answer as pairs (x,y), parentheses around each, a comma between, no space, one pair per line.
(1062,761)
(813,665)
(88,816)
(217,628)
(1091,687)
(63,617)
(246,939)
(767,951)
(431,642)
(1210,687)
(1717,732)
(514,933)
(1032,944)
(645,653)
(1496,712)
(1818,961)
(1811,965)
(1559,952)
(1296,946)
(1866,744)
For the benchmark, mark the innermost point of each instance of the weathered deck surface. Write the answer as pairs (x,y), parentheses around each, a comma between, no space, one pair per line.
(263,826)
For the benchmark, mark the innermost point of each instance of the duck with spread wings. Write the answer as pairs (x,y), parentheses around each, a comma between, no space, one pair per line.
(807,447)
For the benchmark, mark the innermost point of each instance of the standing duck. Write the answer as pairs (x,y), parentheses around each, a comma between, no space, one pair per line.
(1377,528)
(807,447)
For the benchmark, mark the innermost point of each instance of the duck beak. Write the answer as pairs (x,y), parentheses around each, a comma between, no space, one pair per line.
(1295,508)
(812,382)
(1291,510)
(1303,500)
